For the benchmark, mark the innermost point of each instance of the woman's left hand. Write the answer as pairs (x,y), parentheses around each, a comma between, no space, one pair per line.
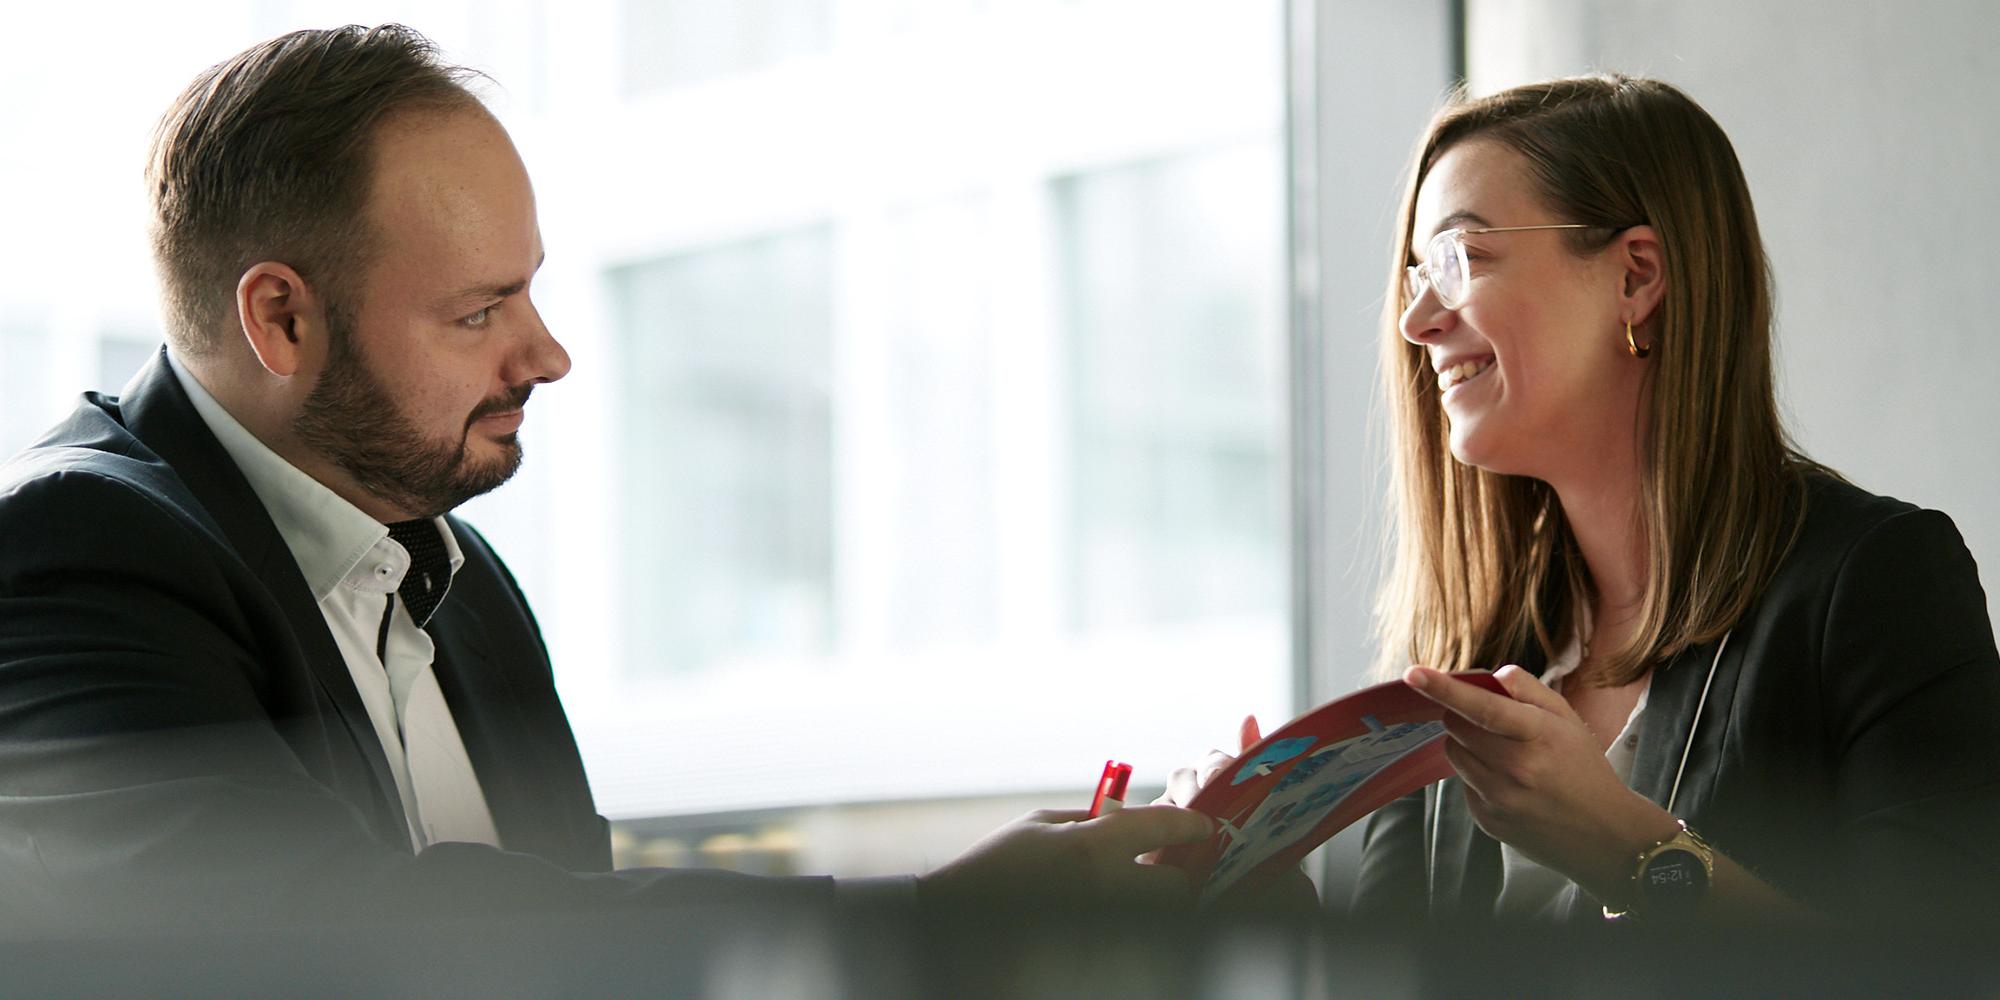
(1536,778)
(1187,782)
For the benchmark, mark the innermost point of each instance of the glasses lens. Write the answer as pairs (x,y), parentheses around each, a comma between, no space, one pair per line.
(1447,261)
(1413,282)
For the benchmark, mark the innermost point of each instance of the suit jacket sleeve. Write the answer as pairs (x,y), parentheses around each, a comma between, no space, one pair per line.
(1912,688)
(145,772)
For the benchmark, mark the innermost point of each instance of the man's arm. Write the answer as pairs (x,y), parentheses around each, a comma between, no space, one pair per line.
(144,775)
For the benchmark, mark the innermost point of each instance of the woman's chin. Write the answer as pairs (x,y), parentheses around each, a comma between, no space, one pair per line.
(1475,446)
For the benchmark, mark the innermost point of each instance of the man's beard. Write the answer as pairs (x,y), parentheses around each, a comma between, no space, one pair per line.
(350,418)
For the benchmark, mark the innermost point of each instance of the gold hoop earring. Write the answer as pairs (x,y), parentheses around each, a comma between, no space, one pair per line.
(1633,345)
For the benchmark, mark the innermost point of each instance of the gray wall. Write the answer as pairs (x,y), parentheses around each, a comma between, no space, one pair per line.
(1870,142)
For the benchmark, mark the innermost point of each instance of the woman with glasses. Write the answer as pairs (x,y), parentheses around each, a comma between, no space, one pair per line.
(1741,687)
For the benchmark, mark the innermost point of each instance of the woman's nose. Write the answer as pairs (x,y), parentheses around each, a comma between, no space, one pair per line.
(1426,319)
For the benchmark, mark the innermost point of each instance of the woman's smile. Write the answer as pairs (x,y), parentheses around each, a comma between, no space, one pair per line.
(1462,373)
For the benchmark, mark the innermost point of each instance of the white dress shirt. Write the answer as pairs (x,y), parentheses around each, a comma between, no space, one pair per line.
(353,568)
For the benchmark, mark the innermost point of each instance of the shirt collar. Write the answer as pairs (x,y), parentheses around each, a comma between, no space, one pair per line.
(327,535)
(1571,657)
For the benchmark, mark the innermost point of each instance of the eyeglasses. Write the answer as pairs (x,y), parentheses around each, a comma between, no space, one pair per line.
(1445,267)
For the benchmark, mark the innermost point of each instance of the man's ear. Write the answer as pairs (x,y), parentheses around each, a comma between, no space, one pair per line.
(280,316)
(1637,251)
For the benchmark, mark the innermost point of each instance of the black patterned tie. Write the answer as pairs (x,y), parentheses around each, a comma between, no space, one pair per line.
(430,567)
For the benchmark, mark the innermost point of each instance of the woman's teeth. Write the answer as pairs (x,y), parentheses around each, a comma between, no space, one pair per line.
(1462,373)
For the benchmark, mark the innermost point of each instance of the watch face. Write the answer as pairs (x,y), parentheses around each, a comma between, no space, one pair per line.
(1674,879)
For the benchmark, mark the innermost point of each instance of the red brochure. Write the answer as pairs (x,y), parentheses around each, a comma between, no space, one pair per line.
(1310,779)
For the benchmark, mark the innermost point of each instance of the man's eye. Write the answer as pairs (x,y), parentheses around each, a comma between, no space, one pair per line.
(479,318)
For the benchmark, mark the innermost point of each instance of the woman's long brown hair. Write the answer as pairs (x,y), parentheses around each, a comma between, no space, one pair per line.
(1483,568)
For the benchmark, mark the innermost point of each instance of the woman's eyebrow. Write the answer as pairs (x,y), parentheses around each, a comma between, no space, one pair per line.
(1461,219)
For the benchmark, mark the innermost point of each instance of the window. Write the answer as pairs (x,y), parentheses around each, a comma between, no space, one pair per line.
(24,414)
(725,513)
(671,43)
(1172,319)
(122,352)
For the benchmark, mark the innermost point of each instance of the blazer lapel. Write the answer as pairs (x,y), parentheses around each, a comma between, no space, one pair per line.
(1677,724)
(1452,837)
(1674,730)
(158,412)
(487,712)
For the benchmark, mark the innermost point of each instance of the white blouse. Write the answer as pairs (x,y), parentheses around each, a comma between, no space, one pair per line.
(1528,890)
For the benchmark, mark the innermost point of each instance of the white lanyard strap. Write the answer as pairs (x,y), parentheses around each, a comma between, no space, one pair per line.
(1695,725)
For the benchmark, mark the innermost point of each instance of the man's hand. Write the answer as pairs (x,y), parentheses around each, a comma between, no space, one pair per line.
(1535,778)
(1064,856)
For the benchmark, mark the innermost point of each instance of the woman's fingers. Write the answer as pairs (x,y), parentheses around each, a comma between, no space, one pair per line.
(1248,734)
(1529,690)
(1181,788)
(1481,781)
(1185,782)
(1212,765)
(1488,744)
(1495,713)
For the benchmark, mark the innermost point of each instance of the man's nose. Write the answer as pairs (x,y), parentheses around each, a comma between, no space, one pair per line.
(543,359)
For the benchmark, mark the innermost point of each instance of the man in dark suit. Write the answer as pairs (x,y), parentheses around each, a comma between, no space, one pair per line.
(250,665)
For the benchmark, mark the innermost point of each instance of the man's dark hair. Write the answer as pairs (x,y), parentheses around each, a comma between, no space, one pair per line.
(268,156)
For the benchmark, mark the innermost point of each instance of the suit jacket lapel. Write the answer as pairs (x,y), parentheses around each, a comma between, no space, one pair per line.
(158,412)
(1453,847)
(1671,725)
(487,711)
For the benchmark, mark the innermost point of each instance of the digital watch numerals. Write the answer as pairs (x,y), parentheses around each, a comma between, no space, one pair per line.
(1671,877)
(1673,881)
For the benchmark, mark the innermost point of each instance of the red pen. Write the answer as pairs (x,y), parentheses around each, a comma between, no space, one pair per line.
(1111,788)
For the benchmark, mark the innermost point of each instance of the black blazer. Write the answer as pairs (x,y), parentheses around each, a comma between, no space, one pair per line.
(1848,751)
(178,730)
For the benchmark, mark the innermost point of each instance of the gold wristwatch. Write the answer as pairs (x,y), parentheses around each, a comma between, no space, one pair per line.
(1671,877)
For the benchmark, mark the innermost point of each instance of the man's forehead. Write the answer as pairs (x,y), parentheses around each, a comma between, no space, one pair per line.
(451,188)
(451,164)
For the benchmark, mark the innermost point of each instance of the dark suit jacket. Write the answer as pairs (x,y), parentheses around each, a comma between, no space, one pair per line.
(1848,752)
(179,733)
